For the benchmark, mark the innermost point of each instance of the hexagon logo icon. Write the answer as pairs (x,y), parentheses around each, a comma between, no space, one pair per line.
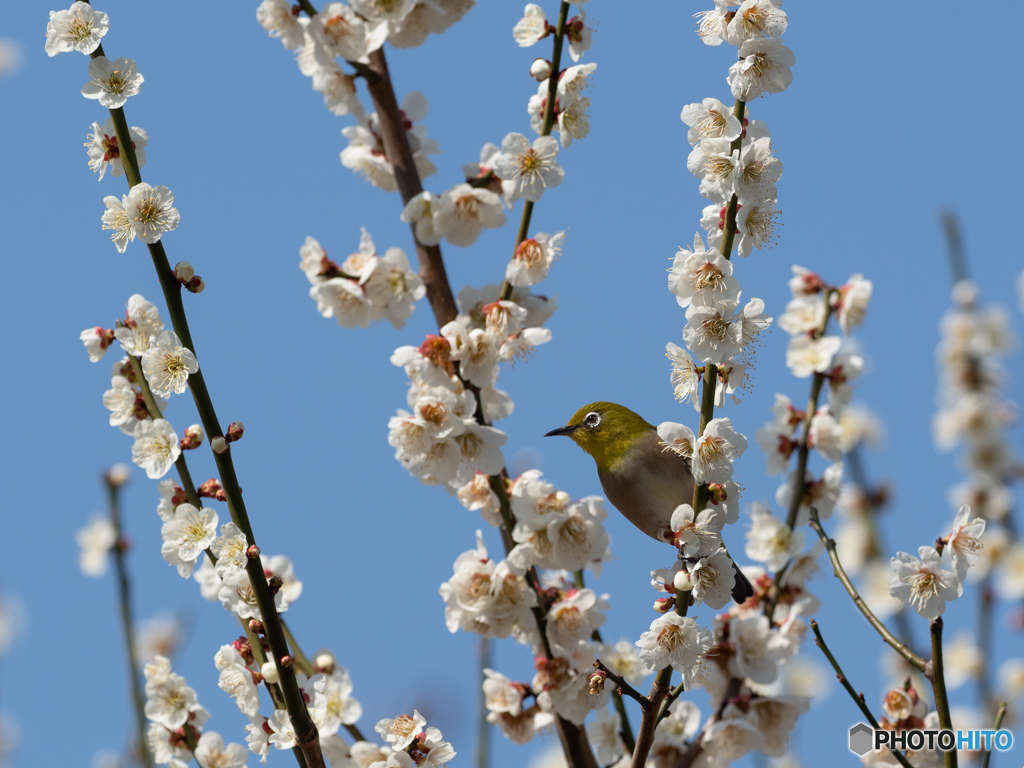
(861,739)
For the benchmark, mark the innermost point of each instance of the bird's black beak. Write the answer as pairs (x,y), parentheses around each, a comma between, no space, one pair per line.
(568,429)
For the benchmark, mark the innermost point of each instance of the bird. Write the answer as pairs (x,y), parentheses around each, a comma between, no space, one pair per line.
(639,477)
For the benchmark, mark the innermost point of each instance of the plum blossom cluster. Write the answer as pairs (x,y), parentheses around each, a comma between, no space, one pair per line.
(444,438)
(366,287)
(158,357)
(350,33)
(499,600)
(974,414)
(175,715)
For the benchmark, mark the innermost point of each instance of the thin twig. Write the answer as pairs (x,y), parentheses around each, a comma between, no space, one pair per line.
(305,730)
(127,620)
(900,647)
(546,126)
(1000,714)
(483,727)
(858,698)
(625,687)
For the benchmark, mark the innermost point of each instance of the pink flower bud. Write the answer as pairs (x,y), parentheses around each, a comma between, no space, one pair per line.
(664,604)
(597,682)
(221,495)
(257,626)
(209,489)
(193,438)
(253,552)
(540,70)
(286,661)
(219,444)
(235,431)
(183,271)
(682,582)
(244,649)
(195,285)
(324,662)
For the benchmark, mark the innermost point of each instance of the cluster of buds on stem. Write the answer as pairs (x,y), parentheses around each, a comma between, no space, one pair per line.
(193,438)
(187,276)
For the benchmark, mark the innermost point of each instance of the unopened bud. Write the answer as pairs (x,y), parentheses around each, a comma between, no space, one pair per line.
(716,493)
(193,438)
(540,70)
(209,489)
(275,584)
(257,626)
(183,271)
(682,582)
(219,444)
(597,682)
(235,431)
(118,475)
(221,495)
(269,672)
(286,661)
(664,604)
(244,649)
(253,552)
(195,285)
(324,662)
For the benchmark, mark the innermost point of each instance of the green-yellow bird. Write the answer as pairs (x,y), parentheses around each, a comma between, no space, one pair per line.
(642,480)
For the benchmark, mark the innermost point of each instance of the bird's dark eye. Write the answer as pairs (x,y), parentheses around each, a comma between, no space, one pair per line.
(592,419)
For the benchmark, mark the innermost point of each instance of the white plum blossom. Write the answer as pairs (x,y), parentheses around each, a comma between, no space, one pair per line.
(715,450)
(603,734)
(96,341)
(167,365)
(764,66)
(532,28)
(189,532)
(685,376)
(677,438)
(402,730)
(757,649)
(805,355)
(703,278)
(756,19)
(700,535)
(675,640)
(211,752)
(344,300)
(532,168)
(578,34)
(151,211)
(755,225)
(826,434)
(963,545)
(623,660)
(112,82)
(804,314)
(419,212)
(116,219)
(77,29)
(821,493)
(238,596)
(169,700)
(710,119)
(713,579)
(464,211)
(230,550)
(156,447)
(573,620)
(236,680)
(342,707)
(95,542)
(280,19)
(922,583)
(477,494)
(337,30)
(104,151)
(717,335)
(854,297)
(731,737)
(770,541)
(533,257)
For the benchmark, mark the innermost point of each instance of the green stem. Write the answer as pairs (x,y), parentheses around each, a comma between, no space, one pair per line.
(858,698)
(128,622)
(707,413)
(729,231)
(483,727)
(938,679)
(546,126)
(837,567)
(1000,714)
(305,729)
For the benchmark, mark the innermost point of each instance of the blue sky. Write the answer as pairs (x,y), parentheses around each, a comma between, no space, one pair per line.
(893,114)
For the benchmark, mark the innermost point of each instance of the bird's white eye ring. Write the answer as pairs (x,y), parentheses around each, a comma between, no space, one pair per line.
(592,419)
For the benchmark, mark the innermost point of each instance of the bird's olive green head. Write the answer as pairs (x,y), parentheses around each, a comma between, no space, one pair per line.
(604,430)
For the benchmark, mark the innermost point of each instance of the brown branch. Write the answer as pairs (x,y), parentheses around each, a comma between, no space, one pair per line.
(399,154)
